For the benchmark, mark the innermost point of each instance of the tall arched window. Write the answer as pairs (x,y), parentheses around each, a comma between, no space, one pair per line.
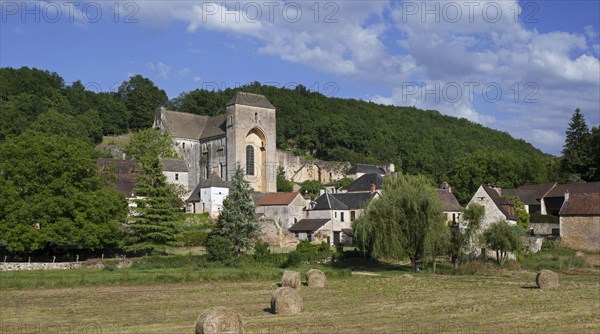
(249,160)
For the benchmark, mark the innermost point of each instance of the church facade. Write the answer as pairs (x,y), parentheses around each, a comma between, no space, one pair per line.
(244,135)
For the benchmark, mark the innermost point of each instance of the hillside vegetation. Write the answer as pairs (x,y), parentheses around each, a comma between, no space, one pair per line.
(308,123)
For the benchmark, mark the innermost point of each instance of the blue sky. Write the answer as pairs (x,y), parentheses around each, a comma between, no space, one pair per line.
(520,67)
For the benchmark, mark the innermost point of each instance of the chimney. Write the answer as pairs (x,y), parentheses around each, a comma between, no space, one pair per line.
(373,187)
(446,187)
(566,196)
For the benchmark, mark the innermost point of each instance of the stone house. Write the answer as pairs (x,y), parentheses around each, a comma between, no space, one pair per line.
(580,221)
(125,174)
(329,218)
(176,172)
(244,135)
(208,196)
(285,208)
(452,209)
(496,207)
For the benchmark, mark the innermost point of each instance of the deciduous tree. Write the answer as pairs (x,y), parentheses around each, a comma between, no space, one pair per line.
(503,238)
(399,223)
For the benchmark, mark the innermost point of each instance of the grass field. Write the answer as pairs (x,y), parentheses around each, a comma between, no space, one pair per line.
(498,302)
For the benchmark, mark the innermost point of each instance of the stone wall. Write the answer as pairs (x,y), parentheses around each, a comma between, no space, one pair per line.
(580,232)
(543,228)
(299,169)
(93,264)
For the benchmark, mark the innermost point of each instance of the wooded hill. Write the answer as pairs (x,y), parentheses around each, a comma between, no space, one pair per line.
(418,141)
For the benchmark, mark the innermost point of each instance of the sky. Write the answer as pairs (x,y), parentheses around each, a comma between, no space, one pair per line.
(520,67)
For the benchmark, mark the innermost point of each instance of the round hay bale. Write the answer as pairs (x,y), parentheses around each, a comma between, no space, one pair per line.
(546,279)
(286,300)
(316,278)
(407,276)
(290,279)
(219,320)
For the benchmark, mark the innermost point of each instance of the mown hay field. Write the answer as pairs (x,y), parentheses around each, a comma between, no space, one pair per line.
(503,302)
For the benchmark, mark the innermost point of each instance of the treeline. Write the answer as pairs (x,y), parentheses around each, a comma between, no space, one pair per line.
(40,100)
(310,124)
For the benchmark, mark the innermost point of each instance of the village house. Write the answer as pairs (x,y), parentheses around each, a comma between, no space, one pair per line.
(208,196)
(284,208)
(329,218)
(176,172)
(580,221)
(452,209)
(496,207)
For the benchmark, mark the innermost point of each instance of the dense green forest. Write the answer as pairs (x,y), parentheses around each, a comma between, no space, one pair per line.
(310,124)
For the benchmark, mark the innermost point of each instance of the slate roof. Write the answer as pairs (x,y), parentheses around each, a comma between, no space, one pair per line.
(354,200)
(581,204)
(499,201)
(184,125)
(573,188)
(308,225)
(328,202)
(174,165)
(363,183)
(449,202)
(348,232)
(214,181)
(250,99)
(363,168)
(528,197)
(277,199)
(215,127)
(126,172)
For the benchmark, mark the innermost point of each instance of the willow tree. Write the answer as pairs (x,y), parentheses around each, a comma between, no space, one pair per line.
(400,223)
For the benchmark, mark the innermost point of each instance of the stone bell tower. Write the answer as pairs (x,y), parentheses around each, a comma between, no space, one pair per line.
(250,128)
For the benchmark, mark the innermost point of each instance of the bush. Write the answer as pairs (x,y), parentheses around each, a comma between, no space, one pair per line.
(538,218)
(220,249)
(306,247)
(294,259)
(194,238)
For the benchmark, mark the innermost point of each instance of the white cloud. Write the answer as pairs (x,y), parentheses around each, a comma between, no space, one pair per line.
(166,72)
(392,43)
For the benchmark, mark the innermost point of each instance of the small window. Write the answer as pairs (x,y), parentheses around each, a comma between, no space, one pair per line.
(352,215)
(256,117)
(176,177)
(183,145)
(335,214)
(341,216)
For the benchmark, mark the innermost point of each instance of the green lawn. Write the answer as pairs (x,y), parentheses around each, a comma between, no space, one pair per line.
(499,302)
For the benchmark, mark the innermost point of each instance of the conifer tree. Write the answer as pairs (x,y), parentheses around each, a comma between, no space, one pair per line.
(153,228)
(237,221)
(576,151)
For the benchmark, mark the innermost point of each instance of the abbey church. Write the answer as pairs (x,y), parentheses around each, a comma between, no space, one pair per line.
(244,135)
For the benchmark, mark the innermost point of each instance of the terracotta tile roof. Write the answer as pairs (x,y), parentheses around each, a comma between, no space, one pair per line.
(277,199)
(449,202)
(308,225)
(581,204)
(574,188)
(249,99)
